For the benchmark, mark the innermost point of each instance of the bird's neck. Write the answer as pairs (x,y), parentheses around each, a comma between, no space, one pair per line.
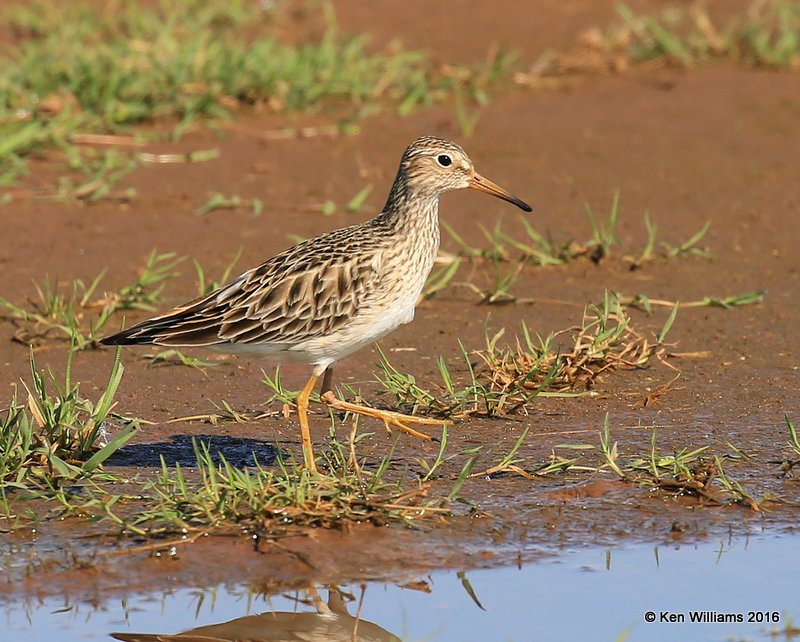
(411,214)
(409,228)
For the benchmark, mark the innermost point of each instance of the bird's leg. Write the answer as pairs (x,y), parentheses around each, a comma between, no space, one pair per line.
(302,416)
(389,418)
(321,607)
(327,381)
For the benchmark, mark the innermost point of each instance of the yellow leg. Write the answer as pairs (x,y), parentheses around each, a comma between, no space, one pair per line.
(388,417)
(302,416)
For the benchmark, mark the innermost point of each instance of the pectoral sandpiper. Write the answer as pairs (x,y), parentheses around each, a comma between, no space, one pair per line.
(334,294)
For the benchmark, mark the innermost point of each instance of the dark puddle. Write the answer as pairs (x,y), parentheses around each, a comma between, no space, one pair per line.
(740,588)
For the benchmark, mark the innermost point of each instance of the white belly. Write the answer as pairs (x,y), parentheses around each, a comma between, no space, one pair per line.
(364,329)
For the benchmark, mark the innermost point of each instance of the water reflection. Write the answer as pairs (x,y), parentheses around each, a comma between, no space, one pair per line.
(592,594)
(329,622)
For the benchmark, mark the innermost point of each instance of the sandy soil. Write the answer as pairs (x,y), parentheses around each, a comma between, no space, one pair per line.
(718,143)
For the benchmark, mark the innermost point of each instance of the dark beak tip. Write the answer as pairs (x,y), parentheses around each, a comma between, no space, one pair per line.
(522,205)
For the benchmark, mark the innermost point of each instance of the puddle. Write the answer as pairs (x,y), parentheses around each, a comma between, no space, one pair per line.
(591,593)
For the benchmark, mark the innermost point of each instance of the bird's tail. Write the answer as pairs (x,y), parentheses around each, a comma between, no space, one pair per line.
(130,337)
(179,327)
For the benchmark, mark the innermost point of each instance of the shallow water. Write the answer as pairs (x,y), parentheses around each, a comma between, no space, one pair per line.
(589,593)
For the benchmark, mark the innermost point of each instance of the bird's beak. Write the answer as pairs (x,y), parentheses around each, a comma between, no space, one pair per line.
(482,184)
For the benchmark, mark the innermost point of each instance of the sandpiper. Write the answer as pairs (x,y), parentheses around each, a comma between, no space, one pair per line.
(331,295)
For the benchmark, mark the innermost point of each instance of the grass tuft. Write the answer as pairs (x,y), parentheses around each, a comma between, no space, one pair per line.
(216,496)
(765,35)
(506,379)
(75,315)
(788,464)
(604,341)
(57,436)
(76,72)
(533,247)
(258,497)
(691,472)
(687,472)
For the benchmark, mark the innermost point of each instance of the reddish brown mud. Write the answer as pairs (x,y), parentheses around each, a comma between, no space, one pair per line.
(718,143)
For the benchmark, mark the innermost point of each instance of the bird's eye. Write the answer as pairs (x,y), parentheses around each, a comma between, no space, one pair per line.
(444,160)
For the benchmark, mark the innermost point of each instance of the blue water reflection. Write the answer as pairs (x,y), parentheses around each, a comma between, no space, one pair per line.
(588,594)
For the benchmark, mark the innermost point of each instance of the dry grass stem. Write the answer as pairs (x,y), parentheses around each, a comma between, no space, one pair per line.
(604,342)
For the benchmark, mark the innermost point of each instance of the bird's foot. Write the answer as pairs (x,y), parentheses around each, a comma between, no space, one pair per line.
(390,418)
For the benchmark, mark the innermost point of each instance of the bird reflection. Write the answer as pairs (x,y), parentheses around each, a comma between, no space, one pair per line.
(330,623)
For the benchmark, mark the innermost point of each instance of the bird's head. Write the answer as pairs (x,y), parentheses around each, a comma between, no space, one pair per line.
(433,165)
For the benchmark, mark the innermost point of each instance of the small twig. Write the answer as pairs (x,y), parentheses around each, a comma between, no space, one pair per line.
(198,156)
(106,139)
(156,546)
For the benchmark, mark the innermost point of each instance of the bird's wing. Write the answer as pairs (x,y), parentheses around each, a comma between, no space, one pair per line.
(297,306)
(307,291)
